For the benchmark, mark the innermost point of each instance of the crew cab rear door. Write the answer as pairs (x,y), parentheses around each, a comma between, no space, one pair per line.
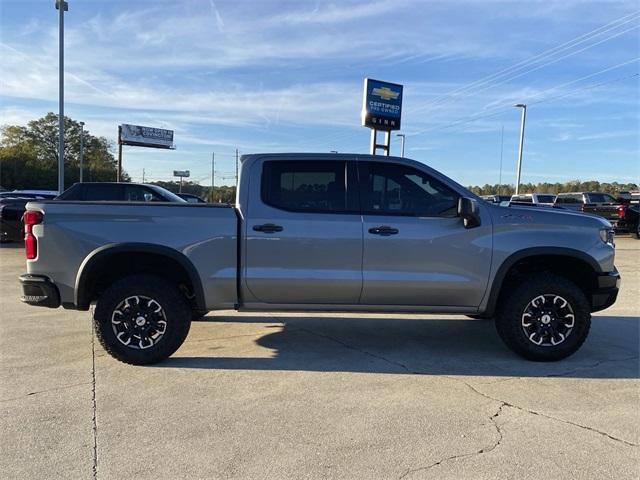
(303,232)
(416,249)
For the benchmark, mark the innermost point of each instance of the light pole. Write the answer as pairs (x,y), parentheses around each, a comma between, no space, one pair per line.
(82,150)
(402,136)
(65,7)
(524,118)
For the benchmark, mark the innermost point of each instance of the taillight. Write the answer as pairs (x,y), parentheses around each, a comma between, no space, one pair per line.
(31,218)
(622,212)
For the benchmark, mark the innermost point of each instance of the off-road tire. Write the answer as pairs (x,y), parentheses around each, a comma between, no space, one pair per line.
(515,300)
(176,310)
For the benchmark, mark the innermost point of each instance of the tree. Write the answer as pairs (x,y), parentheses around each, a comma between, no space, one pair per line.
(221,194)
(29,155)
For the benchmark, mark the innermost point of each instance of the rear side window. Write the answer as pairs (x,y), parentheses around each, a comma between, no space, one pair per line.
(394,189)
(305,186)
(601,198)
(106,192)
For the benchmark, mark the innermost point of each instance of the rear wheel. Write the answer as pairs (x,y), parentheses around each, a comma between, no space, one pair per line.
(544,318)
(141,319)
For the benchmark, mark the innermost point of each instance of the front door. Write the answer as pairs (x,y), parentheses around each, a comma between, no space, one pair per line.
(416,249)
(303,233)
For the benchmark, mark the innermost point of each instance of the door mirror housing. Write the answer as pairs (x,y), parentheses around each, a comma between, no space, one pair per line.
(469,211)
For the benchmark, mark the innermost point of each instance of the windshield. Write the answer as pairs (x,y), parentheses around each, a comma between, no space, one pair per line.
(166,194)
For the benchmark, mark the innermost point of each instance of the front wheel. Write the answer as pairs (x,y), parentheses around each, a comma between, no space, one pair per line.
(141,319)
(544,318)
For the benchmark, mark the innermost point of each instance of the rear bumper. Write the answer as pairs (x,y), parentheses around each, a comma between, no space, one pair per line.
(39,290)
(607,292)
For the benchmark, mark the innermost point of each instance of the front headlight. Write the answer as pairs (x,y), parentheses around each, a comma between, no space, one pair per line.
(607,236)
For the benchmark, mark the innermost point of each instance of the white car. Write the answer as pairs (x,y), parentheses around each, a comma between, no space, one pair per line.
(535,198)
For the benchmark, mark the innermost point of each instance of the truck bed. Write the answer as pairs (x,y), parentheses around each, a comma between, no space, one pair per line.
(194,230)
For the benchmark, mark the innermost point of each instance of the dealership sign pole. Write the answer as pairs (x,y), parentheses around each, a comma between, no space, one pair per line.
(381,112)
(139,136)
(182,174)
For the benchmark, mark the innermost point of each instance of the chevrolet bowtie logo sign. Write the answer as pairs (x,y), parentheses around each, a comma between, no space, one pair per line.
(385,93)
(382,105)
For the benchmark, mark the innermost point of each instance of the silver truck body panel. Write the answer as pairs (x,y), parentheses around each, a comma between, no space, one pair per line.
(73,231)
(319,261)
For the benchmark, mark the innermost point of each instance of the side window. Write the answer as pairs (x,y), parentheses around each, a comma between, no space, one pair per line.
(393,189)
(135,193)
(106,192)
(305,186)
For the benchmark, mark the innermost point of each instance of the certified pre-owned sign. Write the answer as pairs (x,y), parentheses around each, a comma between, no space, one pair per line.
(382,107)
(145,136)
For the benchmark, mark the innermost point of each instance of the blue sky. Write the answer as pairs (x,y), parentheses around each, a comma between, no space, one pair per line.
(269,76)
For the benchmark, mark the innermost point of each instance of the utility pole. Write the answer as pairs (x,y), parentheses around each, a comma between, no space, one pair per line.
(81,150)
(501,151)
(402,136)
(213,158)
(61,6)
(143,172)
(236,168)
(119,172)
(524,117)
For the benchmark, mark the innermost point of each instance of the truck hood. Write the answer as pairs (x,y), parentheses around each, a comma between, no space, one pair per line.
(546,215)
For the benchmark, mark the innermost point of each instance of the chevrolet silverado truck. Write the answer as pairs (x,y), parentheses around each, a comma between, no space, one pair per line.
(322,232)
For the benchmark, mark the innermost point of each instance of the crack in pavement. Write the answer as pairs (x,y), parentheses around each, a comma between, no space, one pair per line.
(550,417)
(472,388)
(483,450)
(94,407)
(587,367)
(53,389)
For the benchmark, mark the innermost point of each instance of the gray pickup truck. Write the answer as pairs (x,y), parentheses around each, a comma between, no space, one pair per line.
(317,232)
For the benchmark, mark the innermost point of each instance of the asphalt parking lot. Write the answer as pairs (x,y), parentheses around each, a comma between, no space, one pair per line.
(323,396)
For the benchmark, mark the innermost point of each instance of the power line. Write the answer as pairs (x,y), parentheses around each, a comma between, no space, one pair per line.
(489,81)
(502,108)
(541,56)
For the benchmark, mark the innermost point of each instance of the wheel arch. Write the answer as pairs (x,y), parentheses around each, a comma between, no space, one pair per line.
(558,260)
(109,258)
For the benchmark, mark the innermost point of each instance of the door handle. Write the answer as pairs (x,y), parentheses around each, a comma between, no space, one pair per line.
(267,228)
(384,230)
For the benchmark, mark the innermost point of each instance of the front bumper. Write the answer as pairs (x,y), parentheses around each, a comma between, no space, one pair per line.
(607,292)
(39,290)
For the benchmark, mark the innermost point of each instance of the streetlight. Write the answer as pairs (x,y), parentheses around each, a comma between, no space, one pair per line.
(82,149)
(524,117)
(65,7)
(402,136)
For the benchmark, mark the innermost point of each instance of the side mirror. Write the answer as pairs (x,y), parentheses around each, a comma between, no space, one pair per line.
(469,211)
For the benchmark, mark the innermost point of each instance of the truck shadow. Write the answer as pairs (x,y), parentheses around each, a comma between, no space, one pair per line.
(403,345)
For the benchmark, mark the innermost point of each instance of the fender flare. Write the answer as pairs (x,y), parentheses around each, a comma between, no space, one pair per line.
(91,260)
(514,258)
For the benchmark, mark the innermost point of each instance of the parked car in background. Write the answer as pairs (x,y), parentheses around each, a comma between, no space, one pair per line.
(35,194)
(535,198)
(12,207)
(628,219)
(496,198)
(188,197)
(596,203)
(118,192)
